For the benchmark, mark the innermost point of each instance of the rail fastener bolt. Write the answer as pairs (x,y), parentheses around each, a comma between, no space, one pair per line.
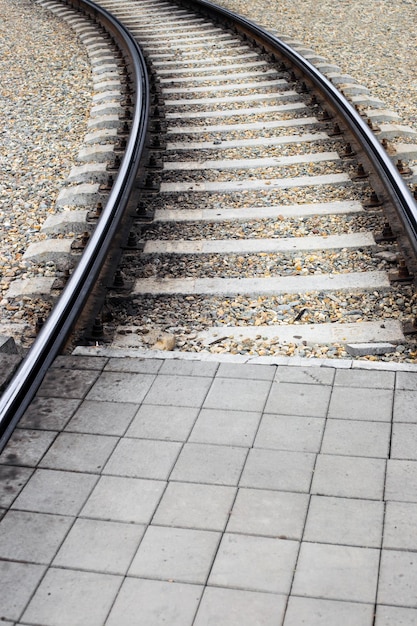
(402,275)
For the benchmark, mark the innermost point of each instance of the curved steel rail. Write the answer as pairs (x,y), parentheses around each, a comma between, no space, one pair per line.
(394,186)
(58,326)
(62,319)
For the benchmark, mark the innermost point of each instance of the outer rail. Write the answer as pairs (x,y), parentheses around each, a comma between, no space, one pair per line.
(65,314)
(393,187)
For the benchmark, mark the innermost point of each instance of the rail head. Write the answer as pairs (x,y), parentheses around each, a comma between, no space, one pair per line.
(57,328)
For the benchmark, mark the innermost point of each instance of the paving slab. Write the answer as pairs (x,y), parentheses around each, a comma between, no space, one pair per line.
(290,432)
(349,477)
(269,513)
(192,505)
(143,458)
(234,607)
(64,598)
(211,464)
(79,452)
(218,490)
(180,554)
(398,578)
(399,526)
(388,615)
(180,602)
(27,447)
(32,537)
(123,499)
(336,572)
(319,612)
(344,521)
(111,546)
(360,403)
(254,563)
(18,582)
(298,399)
(102,418)
(171,423)
(356,438)
(232,428)
(405,403)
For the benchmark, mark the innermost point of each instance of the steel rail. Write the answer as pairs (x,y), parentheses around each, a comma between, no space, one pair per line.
(394,185)
(57,328)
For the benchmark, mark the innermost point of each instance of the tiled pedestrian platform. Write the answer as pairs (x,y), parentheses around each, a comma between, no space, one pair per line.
(164,492)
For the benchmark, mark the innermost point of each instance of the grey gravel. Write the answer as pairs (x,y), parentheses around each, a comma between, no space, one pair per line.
(45,98)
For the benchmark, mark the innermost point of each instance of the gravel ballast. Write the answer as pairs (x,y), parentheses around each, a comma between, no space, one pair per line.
(45,99)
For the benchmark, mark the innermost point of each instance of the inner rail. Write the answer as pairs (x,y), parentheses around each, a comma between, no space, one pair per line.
(62,319)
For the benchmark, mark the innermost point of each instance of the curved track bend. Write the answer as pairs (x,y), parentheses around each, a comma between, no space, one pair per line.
(262,228)
(254,228)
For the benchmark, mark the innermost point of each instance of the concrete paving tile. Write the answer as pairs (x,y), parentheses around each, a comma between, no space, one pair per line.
(12,480)
(401,483)
(102,418)
(124,499)
(237,395)
(160,603)
(180,554)
(121,387)
(190,505)
(372,379)
(64,383)
(180,367)
(355,403)
(337,572)
(305,375)
(2,513)
(349,477)
(405,402)
(318,612)
(18,582)
(233,607)
(100,546)
(398,578)
(49,413)
(394,615)
(246,371)
(79,452)
(143,458)
(134,365)
(400,526)
(80,362)
(298,399)
(27,447)
(205,463)
(404,441)
(344,521)
(356,438)
(179,390)
(32,537)
(172,423)
(64,598)
(229,428)
(269,513)
(290,432)
(254,563)
(277,469)
(406,380)
(50,491)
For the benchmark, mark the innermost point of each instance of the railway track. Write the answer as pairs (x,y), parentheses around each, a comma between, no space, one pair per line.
(259,225)
(262,239)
